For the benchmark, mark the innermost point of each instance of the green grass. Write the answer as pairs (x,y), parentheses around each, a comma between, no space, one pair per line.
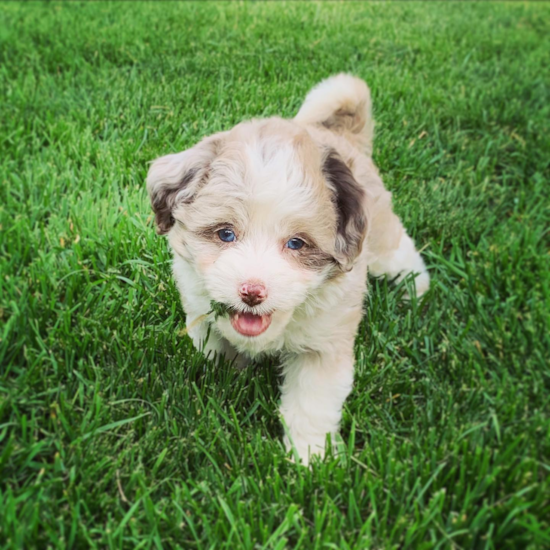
(115,433)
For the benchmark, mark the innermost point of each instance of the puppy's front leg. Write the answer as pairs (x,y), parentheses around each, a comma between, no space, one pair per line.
(314,390)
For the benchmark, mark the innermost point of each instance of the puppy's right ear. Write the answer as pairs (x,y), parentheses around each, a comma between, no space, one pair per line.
(175,179)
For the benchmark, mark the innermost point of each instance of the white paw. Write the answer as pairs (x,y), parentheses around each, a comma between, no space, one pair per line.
(303,451)
(421,283)
(400,263)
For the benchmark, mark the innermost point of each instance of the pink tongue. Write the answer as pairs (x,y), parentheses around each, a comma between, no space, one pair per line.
(249,324)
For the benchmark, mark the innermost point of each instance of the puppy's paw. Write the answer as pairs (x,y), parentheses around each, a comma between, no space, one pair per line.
(400,263)
(421,282)
(302,452)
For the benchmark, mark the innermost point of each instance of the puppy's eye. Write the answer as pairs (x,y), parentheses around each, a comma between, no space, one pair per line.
(227,235)
(295,243)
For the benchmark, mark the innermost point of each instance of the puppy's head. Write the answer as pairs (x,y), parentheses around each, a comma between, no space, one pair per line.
(266,216)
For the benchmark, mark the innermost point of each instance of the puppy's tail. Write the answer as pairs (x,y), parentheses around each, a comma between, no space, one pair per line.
(342,104)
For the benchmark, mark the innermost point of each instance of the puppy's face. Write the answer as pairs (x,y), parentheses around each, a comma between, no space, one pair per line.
(265,216)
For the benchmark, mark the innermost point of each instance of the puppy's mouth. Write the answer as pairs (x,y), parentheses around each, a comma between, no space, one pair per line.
(249,324)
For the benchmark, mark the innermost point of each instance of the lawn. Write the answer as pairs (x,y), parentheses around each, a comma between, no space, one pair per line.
(116,433)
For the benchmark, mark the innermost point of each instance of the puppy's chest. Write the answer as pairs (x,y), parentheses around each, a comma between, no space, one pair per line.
(303,334)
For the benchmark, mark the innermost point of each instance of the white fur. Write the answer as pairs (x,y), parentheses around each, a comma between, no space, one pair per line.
(265,179)
(399,263)
(315,388)
(342,93)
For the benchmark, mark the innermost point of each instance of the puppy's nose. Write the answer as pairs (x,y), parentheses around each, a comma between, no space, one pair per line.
(253,294)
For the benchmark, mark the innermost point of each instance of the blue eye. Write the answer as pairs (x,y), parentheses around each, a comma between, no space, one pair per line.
(227,235)
(295,244)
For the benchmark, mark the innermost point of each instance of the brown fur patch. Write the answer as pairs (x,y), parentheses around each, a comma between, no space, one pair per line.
(310,256)
(175,179)
(348,198)
(210,233)
(315,259)
(164,200)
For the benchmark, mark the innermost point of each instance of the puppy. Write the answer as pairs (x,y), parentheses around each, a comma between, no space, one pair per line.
(279,220)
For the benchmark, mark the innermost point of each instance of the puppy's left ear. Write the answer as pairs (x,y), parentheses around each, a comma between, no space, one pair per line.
(174,179)
(349,200)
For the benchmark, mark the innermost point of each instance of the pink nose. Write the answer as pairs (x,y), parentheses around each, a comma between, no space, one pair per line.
(253,294)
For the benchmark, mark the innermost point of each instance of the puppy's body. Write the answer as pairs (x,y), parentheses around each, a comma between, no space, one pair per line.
(306,214)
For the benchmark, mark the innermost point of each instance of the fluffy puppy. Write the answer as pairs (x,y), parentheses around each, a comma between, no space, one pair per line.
(279,220)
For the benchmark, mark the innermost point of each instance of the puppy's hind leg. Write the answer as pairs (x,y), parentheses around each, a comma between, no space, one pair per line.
(393,253)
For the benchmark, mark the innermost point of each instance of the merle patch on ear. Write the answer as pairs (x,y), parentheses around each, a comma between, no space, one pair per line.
(348,197)
(166,198)
(175,179)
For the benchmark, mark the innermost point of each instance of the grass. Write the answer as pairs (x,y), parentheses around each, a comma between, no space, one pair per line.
(115,433)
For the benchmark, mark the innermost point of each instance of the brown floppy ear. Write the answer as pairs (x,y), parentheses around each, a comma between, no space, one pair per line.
(349,200)
(175,179)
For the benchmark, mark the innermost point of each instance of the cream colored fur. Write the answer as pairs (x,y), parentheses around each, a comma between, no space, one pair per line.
(268,180)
